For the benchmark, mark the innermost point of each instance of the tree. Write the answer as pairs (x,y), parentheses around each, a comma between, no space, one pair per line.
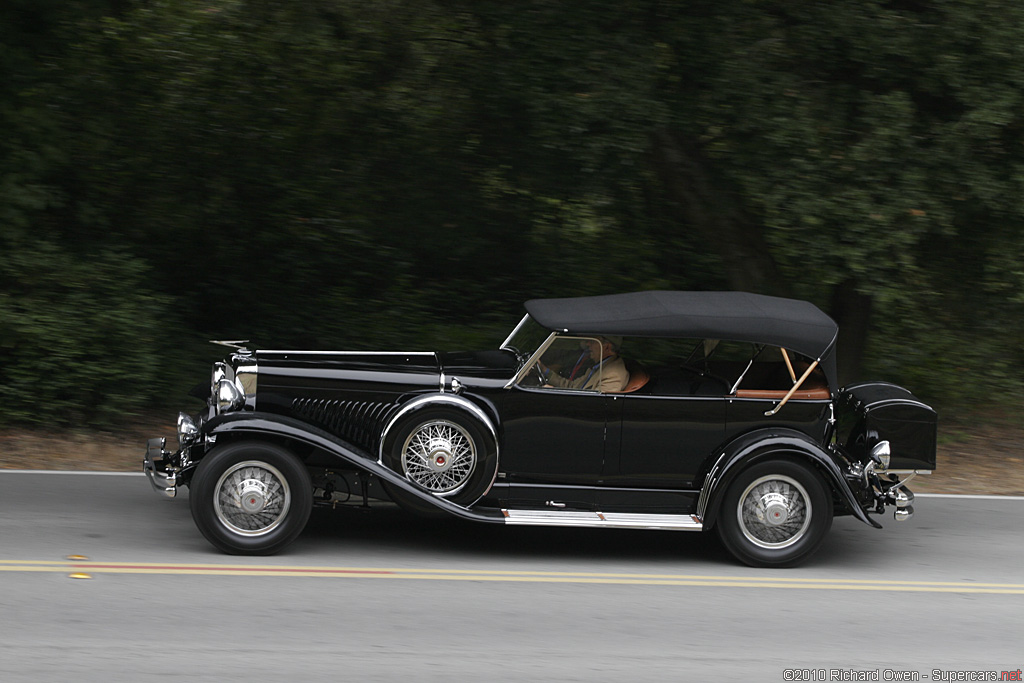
(871,147)
(356,173)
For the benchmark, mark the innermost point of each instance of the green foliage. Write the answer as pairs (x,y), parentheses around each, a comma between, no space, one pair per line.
(368,174)
(878,145)
(80,337)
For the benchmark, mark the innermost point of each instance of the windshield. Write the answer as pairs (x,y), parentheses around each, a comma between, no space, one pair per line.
(526,338)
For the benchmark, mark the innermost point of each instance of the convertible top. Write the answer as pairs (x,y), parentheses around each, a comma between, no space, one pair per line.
(738,316)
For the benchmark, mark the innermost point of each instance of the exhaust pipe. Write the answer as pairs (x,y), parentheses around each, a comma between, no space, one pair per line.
(903,514)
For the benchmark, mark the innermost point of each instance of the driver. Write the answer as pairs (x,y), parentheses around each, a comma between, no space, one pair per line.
(604,352)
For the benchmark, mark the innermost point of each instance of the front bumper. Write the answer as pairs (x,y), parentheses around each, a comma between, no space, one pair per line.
(157,466)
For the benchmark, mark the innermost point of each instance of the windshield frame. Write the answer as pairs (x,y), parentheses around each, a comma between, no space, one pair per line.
(529,328)
(531,360)
(507,344)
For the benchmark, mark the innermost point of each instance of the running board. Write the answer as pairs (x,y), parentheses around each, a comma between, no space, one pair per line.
(608,520)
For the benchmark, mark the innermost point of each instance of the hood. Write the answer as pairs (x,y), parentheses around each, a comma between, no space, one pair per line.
(492,364)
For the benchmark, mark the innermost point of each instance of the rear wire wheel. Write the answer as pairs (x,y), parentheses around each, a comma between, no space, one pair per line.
(775,514)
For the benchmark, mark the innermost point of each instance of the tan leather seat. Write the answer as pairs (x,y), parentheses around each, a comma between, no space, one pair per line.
(815,394)
(638,377)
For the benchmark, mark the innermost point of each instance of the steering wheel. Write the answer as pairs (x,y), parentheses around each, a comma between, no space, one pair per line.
(540,375)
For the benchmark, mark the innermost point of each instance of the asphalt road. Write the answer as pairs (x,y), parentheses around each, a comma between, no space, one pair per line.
(381,596)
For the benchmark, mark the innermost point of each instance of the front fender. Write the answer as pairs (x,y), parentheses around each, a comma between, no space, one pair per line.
(765,444)
(256,424)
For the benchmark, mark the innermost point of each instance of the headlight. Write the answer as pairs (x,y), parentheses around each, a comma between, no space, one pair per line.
(187,429)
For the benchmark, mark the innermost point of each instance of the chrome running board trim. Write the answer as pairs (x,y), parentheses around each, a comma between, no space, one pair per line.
(609,520)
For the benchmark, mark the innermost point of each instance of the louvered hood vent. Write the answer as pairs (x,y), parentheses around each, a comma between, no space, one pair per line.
(359,422)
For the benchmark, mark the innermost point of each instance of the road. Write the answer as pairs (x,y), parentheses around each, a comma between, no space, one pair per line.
(381,596)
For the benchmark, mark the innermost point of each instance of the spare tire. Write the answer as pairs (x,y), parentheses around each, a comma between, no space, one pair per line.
(444,452)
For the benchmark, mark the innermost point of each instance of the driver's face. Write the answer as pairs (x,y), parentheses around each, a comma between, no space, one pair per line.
(596,349)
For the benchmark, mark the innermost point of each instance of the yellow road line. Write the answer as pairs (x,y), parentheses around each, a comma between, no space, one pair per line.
(492,575)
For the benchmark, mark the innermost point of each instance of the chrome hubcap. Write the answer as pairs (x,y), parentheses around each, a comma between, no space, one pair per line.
(774,511)
(253,495)
(252,498)
(439,456)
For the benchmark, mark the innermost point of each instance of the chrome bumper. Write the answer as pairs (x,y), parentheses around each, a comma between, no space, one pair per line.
(903,499)
(155,464)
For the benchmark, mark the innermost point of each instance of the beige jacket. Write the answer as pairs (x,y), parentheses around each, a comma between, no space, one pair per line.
(612,377)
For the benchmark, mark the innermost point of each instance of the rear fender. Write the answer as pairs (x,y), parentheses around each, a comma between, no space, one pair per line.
(764,445)
(256,425)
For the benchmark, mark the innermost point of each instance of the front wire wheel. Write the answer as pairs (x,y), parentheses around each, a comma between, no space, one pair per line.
(251,498)
(775,514)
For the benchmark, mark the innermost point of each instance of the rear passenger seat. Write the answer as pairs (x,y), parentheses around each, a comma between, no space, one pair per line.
(814,387)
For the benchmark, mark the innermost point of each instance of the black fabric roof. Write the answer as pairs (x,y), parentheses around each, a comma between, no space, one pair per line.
(738,316)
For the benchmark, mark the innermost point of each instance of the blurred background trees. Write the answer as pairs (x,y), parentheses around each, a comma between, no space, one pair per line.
(404,173)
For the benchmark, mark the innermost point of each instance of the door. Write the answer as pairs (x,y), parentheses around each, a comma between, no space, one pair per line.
(553,447)
(663,442)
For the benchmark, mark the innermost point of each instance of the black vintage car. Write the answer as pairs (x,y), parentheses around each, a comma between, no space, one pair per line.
(652,410)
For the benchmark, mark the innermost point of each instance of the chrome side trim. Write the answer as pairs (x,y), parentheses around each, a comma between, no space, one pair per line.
(347,353)
(705,490)
(629,520)
(607,520)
